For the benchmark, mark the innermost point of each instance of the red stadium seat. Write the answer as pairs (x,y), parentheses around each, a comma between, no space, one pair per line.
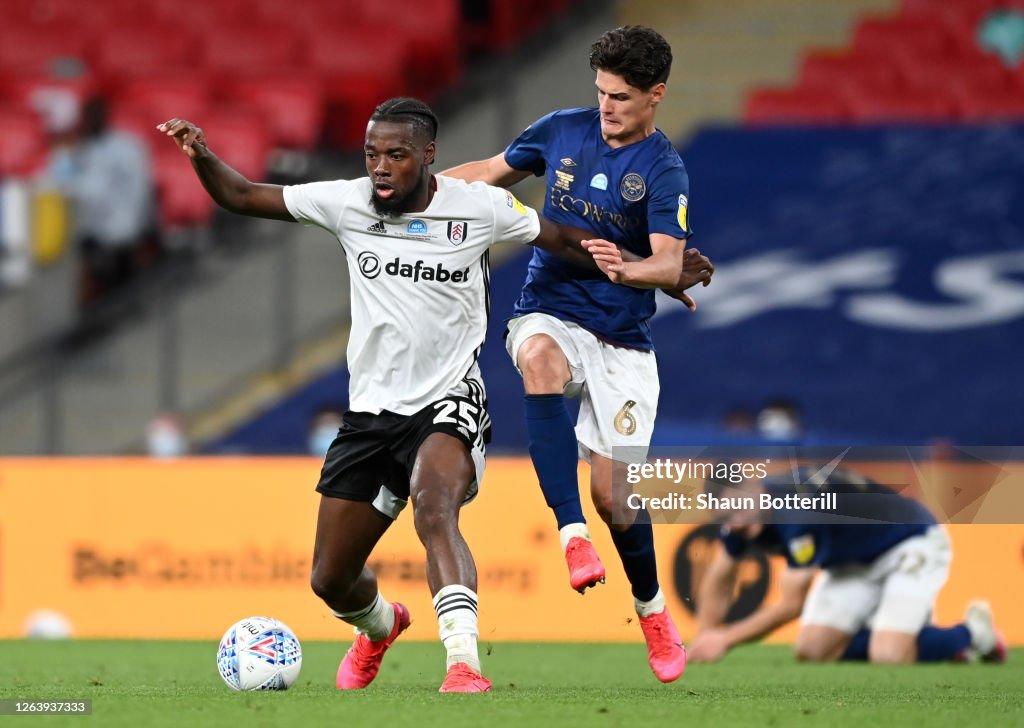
(978,105)
(140,121)
(239,137)
(358,70)
(881,36)
(770,106)
(249,49)
(22,142)
(828,70)
(41,13)
(315,13)
(52,98)
(877,106)
(34,49)
(163,97)
(181,199)
(203,17)
(505,22)
(945,74)
(141,50)
(433,32)
(294,108)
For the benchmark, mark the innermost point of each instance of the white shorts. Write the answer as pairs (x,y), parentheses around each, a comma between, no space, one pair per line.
(895,593)
(618,387)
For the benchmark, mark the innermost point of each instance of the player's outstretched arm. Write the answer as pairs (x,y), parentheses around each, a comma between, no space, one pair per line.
(570,243)
(714,594)
(712,644)
(494,171)
(228,188)
(659,270)
(696,268)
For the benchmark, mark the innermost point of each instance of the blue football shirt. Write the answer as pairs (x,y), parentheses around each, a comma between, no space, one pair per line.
(836,544)
(622,195)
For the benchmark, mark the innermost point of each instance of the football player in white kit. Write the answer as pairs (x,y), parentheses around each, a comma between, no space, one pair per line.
(417,250)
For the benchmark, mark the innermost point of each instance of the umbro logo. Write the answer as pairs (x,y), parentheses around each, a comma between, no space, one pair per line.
(378,228)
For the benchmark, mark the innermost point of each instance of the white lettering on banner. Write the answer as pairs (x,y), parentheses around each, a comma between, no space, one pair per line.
(981,286)
(987,296)
(779,280)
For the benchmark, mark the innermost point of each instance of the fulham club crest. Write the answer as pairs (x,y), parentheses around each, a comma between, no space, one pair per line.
(457,232)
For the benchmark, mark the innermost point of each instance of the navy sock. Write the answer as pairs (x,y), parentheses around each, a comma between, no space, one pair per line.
(934,644)
(636,549)
(858,647)
(940,644)
(555,456)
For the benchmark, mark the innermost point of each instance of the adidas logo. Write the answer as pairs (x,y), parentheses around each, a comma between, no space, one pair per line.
(378,228)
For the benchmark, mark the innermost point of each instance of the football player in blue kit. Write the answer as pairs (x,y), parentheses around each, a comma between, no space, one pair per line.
(878,585)
(608,170)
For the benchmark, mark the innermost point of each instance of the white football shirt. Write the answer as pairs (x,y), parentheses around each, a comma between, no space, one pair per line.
(420,285)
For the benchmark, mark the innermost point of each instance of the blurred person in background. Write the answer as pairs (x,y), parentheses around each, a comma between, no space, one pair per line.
(1001,32)
(609,170)
(324,426)
(107,174)
(779,421)
(417,249)
(877,586)
(165,436)
(738,420)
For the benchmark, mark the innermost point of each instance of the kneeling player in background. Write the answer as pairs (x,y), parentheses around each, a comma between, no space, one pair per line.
(877,589)
(417,251)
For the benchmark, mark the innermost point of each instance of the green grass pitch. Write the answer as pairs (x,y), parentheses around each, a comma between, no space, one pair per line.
(150,684)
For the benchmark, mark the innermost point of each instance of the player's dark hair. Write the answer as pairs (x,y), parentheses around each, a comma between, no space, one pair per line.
(637,53)
(412,111)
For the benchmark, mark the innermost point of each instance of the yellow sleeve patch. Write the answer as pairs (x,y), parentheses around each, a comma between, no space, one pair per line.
(681,214)
(802,549)
(515,204)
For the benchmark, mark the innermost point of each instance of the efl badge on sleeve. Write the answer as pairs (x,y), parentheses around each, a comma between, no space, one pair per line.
(802,549)
(681,215)
(515,204)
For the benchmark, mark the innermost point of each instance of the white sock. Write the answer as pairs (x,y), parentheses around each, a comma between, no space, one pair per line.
(456,608)
(646,609)
(375,621)
(571,531)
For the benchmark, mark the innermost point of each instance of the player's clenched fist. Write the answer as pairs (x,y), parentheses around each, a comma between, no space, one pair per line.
(187,136)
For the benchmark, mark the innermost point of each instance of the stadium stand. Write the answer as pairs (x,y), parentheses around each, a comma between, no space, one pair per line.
(313,112)
(923,63)
(22,142)
(313,76)
(139,50)
(805,106)
(292,107)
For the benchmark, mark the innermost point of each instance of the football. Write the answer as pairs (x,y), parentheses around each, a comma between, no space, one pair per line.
(259,653)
